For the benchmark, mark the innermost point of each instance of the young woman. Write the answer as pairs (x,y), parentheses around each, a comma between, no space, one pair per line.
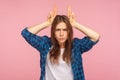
(60,54)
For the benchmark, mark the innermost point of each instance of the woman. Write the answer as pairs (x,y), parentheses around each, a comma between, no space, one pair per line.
(60,55)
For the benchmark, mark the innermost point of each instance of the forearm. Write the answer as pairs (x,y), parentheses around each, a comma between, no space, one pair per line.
(36,28)
(93,35)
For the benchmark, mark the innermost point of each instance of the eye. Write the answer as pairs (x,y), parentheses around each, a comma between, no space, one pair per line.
(57,30)
(65,29)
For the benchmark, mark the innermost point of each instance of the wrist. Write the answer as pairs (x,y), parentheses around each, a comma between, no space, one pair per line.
(75,24)
(47,23)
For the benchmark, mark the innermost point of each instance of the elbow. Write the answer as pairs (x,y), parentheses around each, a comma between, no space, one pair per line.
(96,37)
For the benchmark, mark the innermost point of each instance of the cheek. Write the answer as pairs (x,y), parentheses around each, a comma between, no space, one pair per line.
(56,35)
(66,35)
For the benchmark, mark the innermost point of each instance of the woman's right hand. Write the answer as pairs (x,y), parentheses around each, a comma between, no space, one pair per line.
(51,15)
(71,16)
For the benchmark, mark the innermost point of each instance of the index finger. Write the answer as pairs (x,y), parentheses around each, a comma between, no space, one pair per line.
(69,11)
(54,10)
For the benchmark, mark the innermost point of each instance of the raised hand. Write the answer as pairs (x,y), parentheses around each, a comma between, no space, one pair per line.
(71,16)
(52,15)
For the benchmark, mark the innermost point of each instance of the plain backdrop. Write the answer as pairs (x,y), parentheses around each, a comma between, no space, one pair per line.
(20,61)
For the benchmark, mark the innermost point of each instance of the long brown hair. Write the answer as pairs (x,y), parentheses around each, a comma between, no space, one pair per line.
(55,51)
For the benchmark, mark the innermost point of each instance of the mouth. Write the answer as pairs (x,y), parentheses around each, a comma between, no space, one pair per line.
(61,38)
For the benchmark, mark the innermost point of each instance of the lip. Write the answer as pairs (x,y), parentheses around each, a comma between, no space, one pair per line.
(61,38)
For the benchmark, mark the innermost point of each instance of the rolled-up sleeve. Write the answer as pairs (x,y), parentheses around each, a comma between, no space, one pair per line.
(85,44)
(33,39)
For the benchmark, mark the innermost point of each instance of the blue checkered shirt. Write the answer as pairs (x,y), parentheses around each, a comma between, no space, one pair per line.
(43,45)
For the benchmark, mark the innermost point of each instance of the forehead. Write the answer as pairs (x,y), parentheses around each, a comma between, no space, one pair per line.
(61,25)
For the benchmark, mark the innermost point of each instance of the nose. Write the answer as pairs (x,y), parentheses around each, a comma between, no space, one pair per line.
(61,33)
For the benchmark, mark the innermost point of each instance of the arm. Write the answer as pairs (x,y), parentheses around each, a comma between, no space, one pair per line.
(93,35)
(36,28)
(29,33)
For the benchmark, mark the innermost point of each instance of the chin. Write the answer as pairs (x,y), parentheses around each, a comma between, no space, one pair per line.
(63,41)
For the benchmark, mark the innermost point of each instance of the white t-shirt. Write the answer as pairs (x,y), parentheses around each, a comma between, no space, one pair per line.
(61,71)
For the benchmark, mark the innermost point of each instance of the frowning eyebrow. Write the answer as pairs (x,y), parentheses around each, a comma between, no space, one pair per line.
(58,29)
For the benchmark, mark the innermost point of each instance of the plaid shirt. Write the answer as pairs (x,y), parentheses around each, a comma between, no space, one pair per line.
(43,45)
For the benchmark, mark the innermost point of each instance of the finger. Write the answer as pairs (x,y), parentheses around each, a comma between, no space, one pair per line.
(48,15)
(54,10)
(68,14)
(73,15)
(69,11)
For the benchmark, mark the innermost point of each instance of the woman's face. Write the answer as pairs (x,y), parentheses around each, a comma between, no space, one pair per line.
(61,33)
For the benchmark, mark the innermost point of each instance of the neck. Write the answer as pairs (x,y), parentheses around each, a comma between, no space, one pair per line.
(62,45)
